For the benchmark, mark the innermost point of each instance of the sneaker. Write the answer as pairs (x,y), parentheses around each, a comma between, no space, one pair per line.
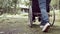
(41,26)
(46,27)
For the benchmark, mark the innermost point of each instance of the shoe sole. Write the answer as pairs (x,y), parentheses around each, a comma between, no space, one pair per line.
(46,28)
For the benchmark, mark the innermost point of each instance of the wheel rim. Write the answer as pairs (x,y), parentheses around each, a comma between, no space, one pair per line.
(30,14)
(52,16)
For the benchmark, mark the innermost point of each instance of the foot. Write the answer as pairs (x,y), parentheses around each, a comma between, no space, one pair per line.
(46,27)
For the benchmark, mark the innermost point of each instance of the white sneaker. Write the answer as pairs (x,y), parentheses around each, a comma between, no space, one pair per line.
(41,26)
(46,27)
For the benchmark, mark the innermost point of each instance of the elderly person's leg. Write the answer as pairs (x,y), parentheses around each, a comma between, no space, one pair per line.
(44,17)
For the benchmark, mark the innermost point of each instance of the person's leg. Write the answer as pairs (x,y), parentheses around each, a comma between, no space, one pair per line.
(44,15)
(33,18)
(48,5)
(42,6)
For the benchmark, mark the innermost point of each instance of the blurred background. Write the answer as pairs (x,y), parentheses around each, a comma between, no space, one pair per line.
(18,6)
(14,17)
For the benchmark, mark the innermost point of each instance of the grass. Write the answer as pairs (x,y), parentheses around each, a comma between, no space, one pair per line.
(17,24)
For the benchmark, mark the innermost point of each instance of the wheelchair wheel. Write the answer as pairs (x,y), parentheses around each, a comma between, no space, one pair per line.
(30,15)
(52,16)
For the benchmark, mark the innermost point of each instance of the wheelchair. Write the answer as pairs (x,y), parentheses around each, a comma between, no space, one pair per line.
(34,11)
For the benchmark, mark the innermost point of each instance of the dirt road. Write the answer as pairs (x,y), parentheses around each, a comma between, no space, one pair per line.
(19,26)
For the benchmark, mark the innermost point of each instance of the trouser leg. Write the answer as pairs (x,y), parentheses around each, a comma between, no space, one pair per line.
(44,16)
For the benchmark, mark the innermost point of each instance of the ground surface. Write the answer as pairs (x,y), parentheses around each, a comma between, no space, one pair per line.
(18,25)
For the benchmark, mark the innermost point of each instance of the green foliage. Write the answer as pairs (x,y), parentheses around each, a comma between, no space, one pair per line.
(55,3)
(8,4)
